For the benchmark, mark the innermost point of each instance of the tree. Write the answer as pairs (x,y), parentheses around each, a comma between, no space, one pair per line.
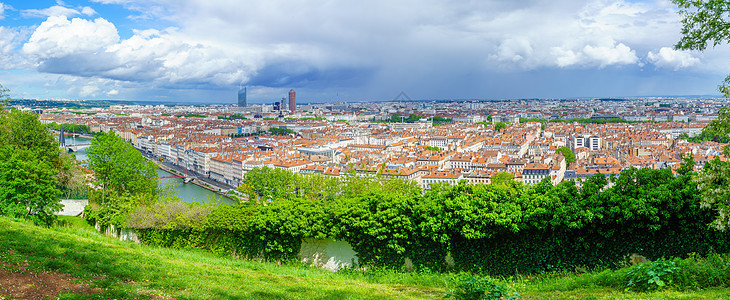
(395,118)
(271,184)
(413,118)
(567,153)
(502,178)
(705,22)
(4,96)
(714,185)
(121,168)
(281,131)
(441,120)
(499,126)
(30,161)
(27,186)
(71,179)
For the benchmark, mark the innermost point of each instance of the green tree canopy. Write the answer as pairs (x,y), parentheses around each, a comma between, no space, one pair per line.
(705,22)
(718,130)
(502,178)
(281,131)
(121,168)
(4,96)
(30,161)
(569,155)
(499,126)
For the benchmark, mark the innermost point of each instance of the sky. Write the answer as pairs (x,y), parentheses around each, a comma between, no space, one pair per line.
(203,50)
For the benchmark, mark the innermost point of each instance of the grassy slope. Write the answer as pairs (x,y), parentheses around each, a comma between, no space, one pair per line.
(127,270)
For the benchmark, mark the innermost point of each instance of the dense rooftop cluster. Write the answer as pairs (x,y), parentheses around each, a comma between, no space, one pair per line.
(336,140)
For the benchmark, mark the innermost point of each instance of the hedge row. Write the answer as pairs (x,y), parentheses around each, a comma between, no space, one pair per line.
(498,229)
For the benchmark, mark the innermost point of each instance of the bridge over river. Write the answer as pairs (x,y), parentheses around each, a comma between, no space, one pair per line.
(74,147)
(188,192)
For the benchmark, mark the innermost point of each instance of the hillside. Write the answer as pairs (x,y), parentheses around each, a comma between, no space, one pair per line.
(79,263)
(86,262)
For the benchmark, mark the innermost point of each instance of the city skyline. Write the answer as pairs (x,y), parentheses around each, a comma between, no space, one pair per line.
(194,51)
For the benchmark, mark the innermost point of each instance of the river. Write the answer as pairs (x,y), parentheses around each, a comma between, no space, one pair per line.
(189,192)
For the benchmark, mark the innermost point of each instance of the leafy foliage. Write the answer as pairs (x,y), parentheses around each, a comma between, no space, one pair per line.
(30,161)
(498,229)
(121,168)
(441,120)
(4,96)
(27,186)
(718,130)
(651,276)
(412,118)
(705,22)
(127,180)
(502,178)
(714,179)
(478,288)
(281,131)
(567,153)
(69,128)
(499,126)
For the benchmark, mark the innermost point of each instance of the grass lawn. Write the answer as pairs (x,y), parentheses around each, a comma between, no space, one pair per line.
(90,265)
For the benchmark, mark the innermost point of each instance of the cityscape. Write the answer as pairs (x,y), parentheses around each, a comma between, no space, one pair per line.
(432,149)
(446,142)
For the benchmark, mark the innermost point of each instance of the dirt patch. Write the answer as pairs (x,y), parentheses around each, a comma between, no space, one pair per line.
(17,282)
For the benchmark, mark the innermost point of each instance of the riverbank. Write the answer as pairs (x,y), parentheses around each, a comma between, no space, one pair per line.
(218,190)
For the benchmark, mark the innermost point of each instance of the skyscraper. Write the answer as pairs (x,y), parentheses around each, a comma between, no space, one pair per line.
(242,97)
(292,100)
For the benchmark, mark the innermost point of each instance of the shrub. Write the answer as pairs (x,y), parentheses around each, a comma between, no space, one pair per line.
(697,272)
(651,276)
(475,288)
(168,215)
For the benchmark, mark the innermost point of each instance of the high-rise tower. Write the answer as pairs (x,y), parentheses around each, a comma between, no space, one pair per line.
(242,97)
(292,100)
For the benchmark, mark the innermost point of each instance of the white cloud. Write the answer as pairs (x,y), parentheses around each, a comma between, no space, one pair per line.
(88,91)
(582,34)
(611,55)
(59,37)
(565,57)
(58,11)
(2,10)
(92,48)
(216,44)
(88,11)
(10,39)
(513,50)
(112,92)
(112,1)
(670,58)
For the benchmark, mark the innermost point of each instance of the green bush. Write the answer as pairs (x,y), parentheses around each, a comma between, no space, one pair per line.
(651,276)
(478,288)
(494,229)
(696,272)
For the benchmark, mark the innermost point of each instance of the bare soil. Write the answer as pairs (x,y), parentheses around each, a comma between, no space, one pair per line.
(17,282)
